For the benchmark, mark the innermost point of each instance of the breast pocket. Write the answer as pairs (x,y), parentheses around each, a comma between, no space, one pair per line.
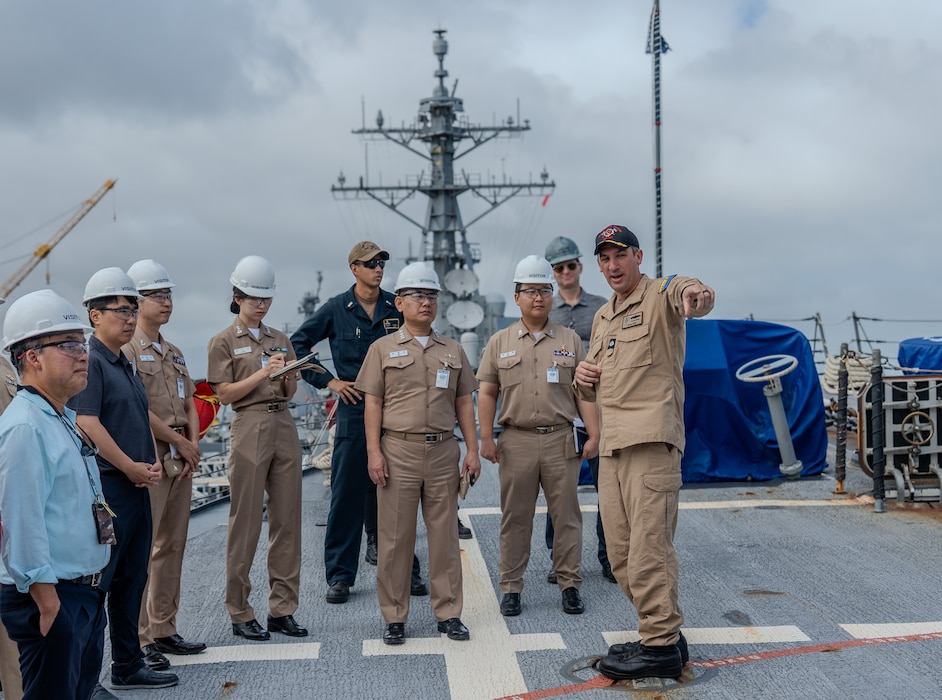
(398,364)
(566,367)
(632,347)
(510,371)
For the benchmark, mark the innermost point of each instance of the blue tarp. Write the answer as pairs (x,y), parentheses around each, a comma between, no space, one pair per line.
(921,353)
(729,428)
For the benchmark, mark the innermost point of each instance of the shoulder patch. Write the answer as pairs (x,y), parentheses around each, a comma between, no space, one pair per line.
(664,284)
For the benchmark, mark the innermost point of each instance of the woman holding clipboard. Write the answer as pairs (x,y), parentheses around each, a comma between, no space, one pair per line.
(246,363)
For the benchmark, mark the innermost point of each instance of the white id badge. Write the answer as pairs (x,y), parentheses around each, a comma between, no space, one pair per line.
(174,452)
(181,389)
(441,378)
(265,359)
(552,375)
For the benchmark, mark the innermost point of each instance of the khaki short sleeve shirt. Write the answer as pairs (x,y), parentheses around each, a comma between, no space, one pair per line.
(534,375)
(418,384)
(236,354)
(165,376)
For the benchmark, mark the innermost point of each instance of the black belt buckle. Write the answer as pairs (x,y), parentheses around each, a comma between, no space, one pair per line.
(431,437)
(543,430)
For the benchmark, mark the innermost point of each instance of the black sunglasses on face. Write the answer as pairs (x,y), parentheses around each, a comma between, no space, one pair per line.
(571,265)
(371,264)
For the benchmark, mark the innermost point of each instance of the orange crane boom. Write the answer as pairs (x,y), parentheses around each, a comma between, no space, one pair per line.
(42,251)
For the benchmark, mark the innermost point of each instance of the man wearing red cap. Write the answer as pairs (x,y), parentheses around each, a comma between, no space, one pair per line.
(634,368)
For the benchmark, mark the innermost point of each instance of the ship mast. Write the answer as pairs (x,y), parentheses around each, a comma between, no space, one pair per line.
(441,126)
(656,46)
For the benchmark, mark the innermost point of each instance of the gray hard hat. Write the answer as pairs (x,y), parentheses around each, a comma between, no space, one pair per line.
(561,249)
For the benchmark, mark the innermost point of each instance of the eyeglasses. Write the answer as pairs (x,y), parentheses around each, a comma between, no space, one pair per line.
(258,301)
(123,312)
(421,296)
(159,297)
(571,265)
(72,348)
(535,292)
(371,264)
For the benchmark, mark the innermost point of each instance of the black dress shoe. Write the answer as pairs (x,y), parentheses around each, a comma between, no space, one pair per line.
(464,532)
(454,628)
(370,549)
(142,679)
(175,644)
(418,586)
(286,625)
(681,645)
(572,601)
(251,630)
(510,605)
(607,573)
(338,592)
(551,577)
(154,659)
(643,662)
(395,633)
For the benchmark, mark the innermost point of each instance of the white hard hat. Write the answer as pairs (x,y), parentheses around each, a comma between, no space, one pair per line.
(109,282)
(148,275)
(534,268)
(417,275)
(40,313)
(254,276)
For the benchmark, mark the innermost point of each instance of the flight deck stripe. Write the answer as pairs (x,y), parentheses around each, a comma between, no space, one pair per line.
(250,652)
(703,505)
(724,635)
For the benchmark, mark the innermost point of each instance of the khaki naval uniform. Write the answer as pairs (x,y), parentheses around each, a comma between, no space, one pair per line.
(264,457)
(640,345)
(9,652)
(418,386)
(169,386)
(537,445)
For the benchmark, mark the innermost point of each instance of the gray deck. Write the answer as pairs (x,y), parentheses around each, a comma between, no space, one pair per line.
(781,584)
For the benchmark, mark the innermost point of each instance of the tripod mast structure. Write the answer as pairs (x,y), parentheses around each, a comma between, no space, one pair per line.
(441,126)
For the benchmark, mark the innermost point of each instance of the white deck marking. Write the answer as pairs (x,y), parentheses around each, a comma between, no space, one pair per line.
(702,505)
(250,652)
(723,635)
(901,629)
(486,665)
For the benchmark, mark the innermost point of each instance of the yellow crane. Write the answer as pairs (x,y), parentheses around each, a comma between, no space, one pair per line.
(42,251)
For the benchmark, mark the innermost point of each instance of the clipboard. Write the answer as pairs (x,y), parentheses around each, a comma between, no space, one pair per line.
(580,436)
(303,363)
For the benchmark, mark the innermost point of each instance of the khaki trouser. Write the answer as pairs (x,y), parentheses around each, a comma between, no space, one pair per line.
(10,667)
(426,473)
(638,494)
(265,457)
(170,510)
(527,461)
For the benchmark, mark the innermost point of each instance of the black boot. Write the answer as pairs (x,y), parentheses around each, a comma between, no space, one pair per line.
(643,662)
(371,548)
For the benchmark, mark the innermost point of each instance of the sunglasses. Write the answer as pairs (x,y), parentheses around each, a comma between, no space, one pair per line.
(571,265)
(371,264)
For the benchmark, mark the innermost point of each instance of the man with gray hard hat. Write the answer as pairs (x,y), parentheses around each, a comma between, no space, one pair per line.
(175,424)
(574,308)
(57,526)
(529,365)
(113,410)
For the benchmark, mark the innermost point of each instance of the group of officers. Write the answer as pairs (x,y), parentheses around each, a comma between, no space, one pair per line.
(110,426)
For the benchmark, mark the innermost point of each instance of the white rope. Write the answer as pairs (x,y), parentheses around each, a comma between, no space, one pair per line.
(858,372)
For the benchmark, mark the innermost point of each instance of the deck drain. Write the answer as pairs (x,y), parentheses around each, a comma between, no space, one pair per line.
(583,670)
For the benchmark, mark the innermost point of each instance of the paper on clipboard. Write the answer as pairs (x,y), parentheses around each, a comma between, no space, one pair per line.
(303,363)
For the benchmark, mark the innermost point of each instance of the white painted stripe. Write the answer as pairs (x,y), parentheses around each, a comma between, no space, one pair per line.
(901,629)
(485,666)
(723,635)
(250,652)
(706,505)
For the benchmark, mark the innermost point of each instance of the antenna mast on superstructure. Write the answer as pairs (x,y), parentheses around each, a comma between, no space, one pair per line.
(656,46)
(462,308)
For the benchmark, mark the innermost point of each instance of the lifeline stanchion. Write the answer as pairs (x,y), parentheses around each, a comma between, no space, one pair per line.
(840,460)
(878,432)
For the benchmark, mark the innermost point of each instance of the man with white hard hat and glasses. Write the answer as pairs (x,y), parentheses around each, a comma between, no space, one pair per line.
(57,526)
(175,424)
(113,410)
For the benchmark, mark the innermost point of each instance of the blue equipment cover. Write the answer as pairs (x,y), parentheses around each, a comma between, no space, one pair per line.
(729,427)
(921,353)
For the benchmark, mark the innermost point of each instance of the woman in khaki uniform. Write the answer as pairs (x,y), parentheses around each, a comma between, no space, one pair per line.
(265,453)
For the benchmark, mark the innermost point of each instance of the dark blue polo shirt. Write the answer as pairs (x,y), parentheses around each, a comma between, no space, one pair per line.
(115,394)
(350,332)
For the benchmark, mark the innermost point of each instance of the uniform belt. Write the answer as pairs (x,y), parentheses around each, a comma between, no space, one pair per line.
(270,407)
(541,429)
(93,580)
(420,437)
(179,431)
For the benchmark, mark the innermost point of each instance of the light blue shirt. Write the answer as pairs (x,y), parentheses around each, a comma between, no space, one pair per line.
(46,497)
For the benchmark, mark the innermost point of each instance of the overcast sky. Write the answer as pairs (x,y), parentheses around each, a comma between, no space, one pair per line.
(801,147)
